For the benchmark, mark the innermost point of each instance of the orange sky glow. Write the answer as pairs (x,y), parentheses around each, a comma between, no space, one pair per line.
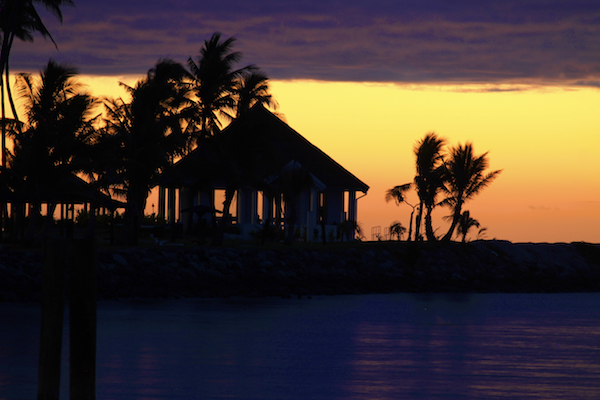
(545,139)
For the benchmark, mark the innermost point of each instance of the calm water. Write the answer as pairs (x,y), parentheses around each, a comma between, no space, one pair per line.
(521,346)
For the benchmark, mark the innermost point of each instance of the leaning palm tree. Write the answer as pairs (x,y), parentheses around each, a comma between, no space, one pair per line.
(20,19)
(214,80)
(398,194)
(465,177)
(429,179)
(143,136)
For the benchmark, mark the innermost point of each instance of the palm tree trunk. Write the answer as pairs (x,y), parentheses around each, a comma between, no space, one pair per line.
(3,205)
(3,123)
(455,217)
(418,223)
(429,226)
(50,208)
(6,45)
(11,101)
(410,225)
(134,213)
(220,232)
(34,217)
(91,230)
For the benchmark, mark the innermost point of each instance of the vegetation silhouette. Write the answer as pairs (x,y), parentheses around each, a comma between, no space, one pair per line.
(460,175)
(141,138)
(57,141)
(250,89)
(169,113)
(396,229)
(464,177)
(398,194)
(429,179)
(223,94)
(465,223)
(19,19)
(214,82)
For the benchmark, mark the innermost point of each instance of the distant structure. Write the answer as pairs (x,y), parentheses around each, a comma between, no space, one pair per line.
(279,177)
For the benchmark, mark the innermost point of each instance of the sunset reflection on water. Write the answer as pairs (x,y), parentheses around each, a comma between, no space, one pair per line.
(435,360)
(341,347)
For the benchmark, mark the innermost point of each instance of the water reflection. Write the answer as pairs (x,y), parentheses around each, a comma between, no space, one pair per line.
(546,361)
(346,347)
(476,354)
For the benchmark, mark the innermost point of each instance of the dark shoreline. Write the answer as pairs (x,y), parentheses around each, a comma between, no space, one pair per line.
(342,268)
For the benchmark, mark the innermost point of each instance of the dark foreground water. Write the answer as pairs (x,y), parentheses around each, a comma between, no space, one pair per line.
(399,346)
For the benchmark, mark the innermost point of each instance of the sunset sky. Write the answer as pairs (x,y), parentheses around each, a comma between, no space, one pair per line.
(364,81)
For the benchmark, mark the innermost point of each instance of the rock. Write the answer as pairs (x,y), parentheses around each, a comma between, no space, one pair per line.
(362,268)
(266,264)
(119,259)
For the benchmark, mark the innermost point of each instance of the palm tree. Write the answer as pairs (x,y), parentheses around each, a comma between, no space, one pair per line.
(145,135)
(397,229)
(214,82)
(465,223)
(20,19)
(398,194)
(57,138)
(429,179)
(465,176)
(250,89)
(224,93)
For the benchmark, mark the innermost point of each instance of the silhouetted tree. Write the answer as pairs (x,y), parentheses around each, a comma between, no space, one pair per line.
(465,223)
(250,89)
(214,82)
(398,194)
(429,179)
(351,230)
(465,176)
(145,134)
(224,93)
(397,229)
(59,134)
(20,19)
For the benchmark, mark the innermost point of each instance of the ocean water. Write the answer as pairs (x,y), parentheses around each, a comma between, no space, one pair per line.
(395,346)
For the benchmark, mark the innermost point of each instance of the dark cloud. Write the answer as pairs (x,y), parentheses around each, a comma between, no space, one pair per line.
(399,41)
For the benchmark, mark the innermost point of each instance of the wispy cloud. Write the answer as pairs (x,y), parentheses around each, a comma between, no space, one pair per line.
(550,42)
(542,208)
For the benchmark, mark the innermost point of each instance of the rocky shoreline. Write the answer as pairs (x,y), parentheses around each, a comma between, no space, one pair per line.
(374,267)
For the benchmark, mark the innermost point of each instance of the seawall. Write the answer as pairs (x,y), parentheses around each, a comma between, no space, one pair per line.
(378,267)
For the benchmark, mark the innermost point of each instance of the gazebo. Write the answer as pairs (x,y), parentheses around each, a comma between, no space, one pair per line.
(266,162)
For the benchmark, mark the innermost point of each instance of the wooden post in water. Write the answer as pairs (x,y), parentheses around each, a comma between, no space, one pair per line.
(83,320)
(53,299)
(80,256)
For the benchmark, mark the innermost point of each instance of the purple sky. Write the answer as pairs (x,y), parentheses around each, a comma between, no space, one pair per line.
(516,41)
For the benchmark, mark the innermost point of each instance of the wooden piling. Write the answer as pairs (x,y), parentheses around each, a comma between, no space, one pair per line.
(83,320)
(53,298)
